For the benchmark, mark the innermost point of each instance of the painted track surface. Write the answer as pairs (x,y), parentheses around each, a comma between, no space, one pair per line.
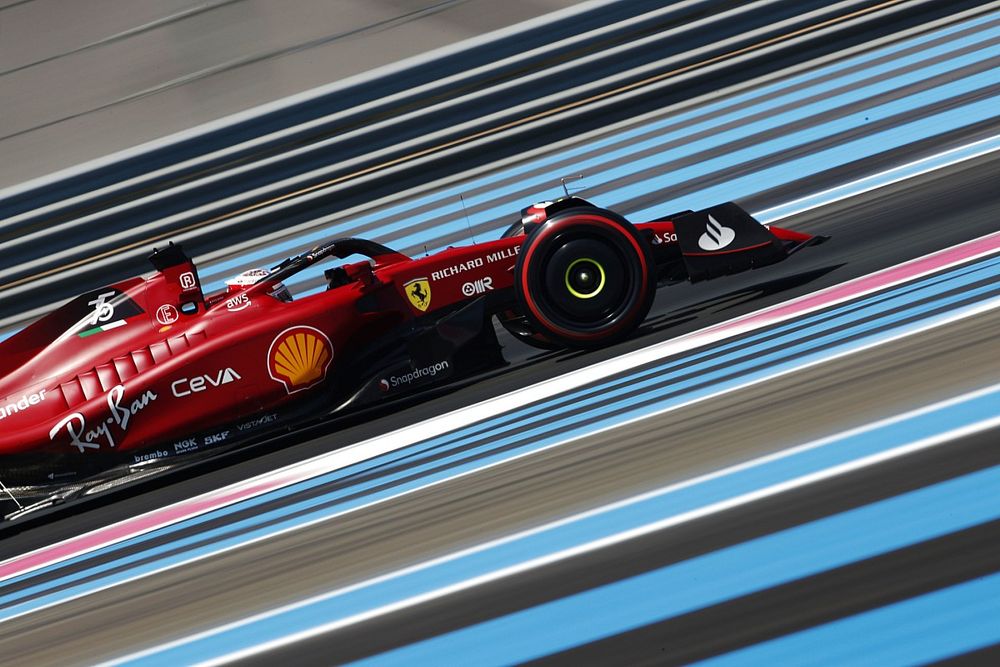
(154,68)
(813,403)
(641,457)
(692,150)
(871,231)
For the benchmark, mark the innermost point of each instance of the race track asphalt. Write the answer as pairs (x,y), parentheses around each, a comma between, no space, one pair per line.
(871,231)
(83,80)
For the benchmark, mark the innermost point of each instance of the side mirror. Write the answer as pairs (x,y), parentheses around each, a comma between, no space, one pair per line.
(360,271)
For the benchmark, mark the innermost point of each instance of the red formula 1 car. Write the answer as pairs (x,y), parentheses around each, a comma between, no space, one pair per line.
(152,368)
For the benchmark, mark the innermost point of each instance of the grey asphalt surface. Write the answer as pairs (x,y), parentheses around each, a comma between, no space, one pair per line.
(869,232)
(938,210)
(51,265)
(719,628)
(81,80)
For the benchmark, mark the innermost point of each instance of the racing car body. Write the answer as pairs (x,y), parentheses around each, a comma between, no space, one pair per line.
(151,367)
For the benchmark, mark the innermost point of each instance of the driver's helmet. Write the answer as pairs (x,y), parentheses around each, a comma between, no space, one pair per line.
(253,276)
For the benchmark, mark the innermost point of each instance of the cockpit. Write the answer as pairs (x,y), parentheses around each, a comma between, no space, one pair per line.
(278,276)
(252,277)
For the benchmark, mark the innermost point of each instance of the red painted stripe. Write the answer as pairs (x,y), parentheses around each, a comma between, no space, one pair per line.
(726,252)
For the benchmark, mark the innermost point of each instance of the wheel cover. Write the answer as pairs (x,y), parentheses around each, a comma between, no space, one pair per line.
(585,274)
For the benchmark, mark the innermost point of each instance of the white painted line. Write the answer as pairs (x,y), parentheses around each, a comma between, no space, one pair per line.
(325,463)
(881,179)
(534,24)
(970,311)
(611,540)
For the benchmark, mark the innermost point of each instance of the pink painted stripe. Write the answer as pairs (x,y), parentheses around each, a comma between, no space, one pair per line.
(132,527)
(873,282)
(214,500)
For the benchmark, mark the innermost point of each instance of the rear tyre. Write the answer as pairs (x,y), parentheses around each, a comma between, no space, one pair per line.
(583,279)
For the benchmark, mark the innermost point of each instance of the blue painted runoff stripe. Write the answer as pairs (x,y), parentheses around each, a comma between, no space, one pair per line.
(723,575)
(895,174)
(241,532)
(670,591)
(796,342)
(767,98)
(819,161)
(623,165)
(747,184)
(714,363)
(838,320)
(924,629)
(838,193)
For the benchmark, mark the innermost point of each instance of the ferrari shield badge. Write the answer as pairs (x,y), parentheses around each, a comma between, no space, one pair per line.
(299,358)
(419,292)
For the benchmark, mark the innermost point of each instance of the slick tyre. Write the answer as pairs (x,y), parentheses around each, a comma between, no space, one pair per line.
(515,323)
(584,279)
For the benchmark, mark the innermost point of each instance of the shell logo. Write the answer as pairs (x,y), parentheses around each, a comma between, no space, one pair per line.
(299,358)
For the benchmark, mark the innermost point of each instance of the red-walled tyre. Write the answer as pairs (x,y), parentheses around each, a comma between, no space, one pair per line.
(584,278)
(515,323)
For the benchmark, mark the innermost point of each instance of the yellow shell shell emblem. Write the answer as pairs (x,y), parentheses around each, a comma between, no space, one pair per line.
(299,358)
(419,292)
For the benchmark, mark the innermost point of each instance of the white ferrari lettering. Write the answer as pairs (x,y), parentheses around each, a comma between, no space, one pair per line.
(716,236)
(238,302)
(120,414)
(187,445)
(263,420)
(76,429)
(217,438)
(501,255)
(427,371)
(150,456)
(167,314)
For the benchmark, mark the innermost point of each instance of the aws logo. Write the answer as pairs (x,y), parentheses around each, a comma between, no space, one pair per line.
(299,358)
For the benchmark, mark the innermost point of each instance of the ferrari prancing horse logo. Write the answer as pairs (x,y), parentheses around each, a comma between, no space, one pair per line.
(419,292)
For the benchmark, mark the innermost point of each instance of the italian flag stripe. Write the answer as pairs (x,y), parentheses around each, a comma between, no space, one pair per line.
(103,327)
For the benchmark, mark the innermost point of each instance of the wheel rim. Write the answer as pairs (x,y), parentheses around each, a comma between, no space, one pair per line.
(585,278)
